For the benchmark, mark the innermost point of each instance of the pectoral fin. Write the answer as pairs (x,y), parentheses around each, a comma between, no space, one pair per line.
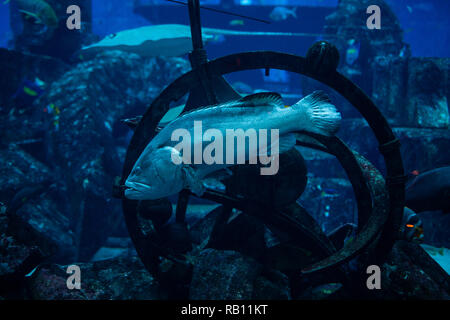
(192,181)
(284,144)
(220,175)
(287,142)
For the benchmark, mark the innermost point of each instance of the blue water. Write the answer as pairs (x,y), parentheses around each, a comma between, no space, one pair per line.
(425,23)
(64,114)
(114,15)
(5,32)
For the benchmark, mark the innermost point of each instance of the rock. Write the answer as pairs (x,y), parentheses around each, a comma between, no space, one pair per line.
(435,227)
(59,41)
(44,216)
(428,92)
(201,230)
(116,279)
(21,249)
(270,245)
(32,196)
(390,87)
(92,97)
(347,19)
(345,25)
(19,170)
(422,149)
(223,275)
(272,285)
(16,66)
(410,273)
(412,92)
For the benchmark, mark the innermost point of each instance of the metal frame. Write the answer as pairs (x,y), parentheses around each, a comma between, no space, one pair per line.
(389,146)
(380,203)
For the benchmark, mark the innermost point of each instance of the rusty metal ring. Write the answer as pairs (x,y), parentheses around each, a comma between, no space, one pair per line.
(275,60)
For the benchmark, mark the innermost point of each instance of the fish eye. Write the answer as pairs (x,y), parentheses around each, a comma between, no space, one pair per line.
(137,170)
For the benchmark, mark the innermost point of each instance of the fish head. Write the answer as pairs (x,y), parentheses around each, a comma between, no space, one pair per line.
(155,175)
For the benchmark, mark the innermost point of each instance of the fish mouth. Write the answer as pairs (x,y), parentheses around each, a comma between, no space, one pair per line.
(136,190)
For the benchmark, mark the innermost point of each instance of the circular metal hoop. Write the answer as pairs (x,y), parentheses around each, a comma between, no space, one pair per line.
(384,226)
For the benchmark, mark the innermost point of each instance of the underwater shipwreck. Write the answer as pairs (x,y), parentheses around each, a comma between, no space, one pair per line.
(362,186)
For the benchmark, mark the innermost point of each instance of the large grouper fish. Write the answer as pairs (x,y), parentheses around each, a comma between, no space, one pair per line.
(160,172)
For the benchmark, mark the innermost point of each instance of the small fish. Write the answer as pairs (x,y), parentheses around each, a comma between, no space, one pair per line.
(282,13)
(155,175)
(325,194)
(41,84)
(352,53)
(28,275)
(39,10)
(411,228)
(218,39)
(52,109)
(236,22)
(27,92)
(404,50)
(132,123)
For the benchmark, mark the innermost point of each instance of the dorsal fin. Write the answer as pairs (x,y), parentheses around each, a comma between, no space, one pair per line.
(315,98)
(264,98)
(253,100)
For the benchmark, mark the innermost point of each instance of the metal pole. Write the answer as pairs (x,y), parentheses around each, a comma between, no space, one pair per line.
(198,55)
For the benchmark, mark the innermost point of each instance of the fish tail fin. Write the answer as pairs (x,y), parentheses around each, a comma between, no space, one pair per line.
(321,115)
